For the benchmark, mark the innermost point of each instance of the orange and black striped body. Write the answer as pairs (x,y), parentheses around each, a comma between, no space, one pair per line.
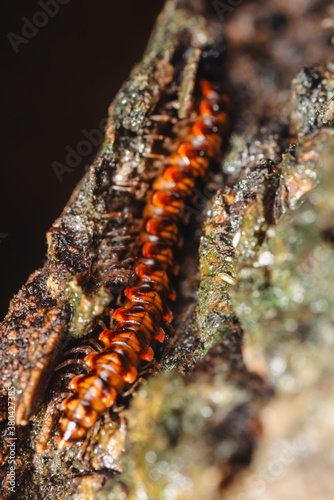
(140,320)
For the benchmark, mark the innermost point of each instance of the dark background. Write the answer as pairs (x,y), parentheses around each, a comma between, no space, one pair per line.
(59,83)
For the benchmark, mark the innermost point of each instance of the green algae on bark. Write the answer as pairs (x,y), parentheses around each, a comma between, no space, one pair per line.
(242,216)
(185,438)
(239,223)
(85,309)
(289,324)
(298,257)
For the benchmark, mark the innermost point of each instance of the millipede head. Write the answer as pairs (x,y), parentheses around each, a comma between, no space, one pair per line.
(70,433)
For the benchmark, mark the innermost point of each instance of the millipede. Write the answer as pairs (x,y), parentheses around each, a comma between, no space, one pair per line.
(143,317)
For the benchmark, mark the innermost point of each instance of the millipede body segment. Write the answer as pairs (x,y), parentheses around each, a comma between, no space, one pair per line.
(140,321)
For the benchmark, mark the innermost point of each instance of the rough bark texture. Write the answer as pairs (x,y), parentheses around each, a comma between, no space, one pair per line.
(240,407)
